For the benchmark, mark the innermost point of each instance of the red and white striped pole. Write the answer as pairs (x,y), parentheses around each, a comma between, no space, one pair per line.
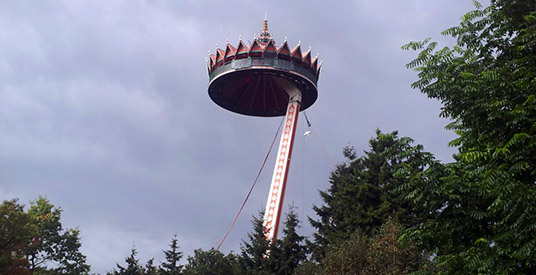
(274,203)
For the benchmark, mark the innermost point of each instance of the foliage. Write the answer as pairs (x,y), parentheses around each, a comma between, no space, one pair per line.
(486,207)
(151,269)
(290,251)
(259,256)
(173,256)
(254,253)
(54,245)
(133,265)
(347,257)
(212,262)
(308,267)
(388,255)
(35,240)
(365,192)
(16,231)
(381,254)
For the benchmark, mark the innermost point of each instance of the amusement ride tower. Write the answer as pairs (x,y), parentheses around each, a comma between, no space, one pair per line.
(265,80)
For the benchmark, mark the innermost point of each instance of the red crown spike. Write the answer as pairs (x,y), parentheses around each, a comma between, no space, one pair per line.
(230,53)
(219,57)
(284,51)
(241,50)
(314,64)
(209,69)
(307,60)
(270,50)
(296,55)
(255,50)
(212,60)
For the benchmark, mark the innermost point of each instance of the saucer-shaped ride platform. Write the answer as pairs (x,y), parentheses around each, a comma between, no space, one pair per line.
(254,80)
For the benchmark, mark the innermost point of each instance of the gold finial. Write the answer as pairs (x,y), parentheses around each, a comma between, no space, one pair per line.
(265,36)
(265,26)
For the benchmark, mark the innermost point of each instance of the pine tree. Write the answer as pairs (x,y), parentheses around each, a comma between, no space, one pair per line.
(254,253)
(365,191)
(173,256)
(291,250)
(133,266)
(150,268)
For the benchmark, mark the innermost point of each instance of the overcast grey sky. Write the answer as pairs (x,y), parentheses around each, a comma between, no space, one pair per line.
(104,110)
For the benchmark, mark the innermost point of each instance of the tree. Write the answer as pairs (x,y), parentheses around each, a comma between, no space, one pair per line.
(381,254)
(291,250)
(35,240)
(346,257)
(16,232)
(173,256)
(365,191)
(486,207)
(52,244)
(254,253)
(212,262)
(388,255)
(150,268)
(308,267)
(133,266)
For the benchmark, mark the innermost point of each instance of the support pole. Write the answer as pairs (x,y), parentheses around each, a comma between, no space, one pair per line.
(274,203)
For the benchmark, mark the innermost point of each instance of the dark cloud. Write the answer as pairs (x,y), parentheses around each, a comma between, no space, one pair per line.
(104,109)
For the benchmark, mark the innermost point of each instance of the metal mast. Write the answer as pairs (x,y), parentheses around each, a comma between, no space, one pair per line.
(274,203)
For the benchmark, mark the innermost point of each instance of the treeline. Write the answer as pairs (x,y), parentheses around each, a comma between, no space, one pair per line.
(394,209)
(283,257)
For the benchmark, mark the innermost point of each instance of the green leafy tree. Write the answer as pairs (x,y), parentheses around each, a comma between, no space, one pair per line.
(173,256)
(213,262)
(389,256)
(384,253)
(365,191)
(35,240)
(346,257)
(16,232)
(486,207)
(53,245)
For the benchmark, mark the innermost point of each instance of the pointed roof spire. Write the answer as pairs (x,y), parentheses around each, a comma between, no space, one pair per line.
(265,26)
(265,36)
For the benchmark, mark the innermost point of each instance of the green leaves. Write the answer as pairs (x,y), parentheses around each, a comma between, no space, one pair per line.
(487,86)
(38,241)
(416,45)
(382,253)
(16,232)
(212,262)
